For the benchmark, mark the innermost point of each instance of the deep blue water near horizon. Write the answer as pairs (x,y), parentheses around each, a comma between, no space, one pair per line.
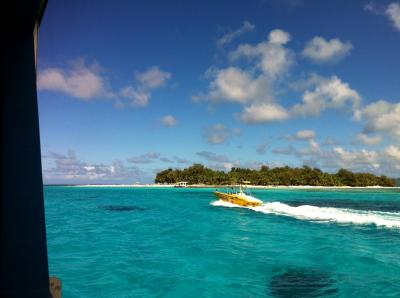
(149,242)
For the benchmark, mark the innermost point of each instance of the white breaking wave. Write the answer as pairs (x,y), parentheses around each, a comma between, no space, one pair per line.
(325,214)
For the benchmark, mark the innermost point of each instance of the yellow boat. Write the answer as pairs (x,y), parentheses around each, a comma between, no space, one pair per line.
(242,198)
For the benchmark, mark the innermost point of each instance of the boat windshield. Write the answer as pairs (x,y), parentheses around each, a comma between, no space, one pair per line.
(230,191)
(233,190)
(247,192)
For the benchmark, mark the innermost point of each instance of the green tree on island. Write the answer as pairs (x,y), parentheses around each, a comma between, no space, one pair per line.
(199,174)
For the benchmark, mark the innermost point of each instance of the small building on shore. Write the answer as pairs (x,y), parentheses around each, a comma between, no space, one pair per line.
(181,184)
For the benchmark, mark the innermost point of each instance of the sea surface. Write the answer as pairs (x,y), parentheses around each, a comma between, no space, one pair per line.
(150,242)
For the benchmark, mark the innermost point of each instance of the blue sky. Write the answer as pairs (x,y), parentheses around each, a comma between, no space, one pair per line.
(134,87)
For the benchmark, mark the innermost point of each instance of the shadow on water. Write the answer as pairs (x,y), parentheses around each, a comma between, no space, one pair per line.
(122,208)
(302,282)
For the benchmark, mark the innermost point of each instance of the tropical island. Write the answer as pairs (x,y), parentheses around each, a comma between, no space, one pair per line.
(285,176)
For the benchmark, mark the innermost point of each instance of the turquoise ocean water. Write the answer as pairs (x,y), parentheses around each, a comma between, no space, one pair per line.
(138,242)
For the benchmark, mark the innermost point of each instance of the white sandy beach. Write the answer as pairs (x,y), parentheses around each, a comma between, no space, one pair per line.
(223,186)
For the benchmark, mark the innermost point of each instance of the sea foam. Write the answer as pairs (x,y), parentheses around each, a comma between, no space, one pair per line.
(325,214)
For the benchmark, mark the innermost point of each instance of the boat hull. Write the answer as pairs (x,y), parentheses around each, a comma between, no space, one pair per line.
(238,199)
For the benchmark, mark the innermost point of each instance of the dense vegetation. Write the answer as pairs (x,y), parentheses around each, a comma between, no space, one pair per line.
(199,174)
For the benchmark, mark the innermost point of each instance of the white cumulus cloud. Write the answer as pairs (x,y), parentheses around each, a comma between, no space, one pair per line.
(136,97)
(169,121)
(279,36)
(305,134)
(382,117)
(384,161)
(393,12)
(80,80)
(236,85)
(67,168)
(229,37)
(369,140)
(393,152)
(264,112)
(139,94)
(328,93)
(88,82)
(321,50)
(254,79)
(153,77)
(271,57)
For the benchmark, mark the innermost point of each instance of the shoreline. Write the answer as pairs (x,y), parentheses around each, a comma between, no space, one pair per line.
(227,186)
